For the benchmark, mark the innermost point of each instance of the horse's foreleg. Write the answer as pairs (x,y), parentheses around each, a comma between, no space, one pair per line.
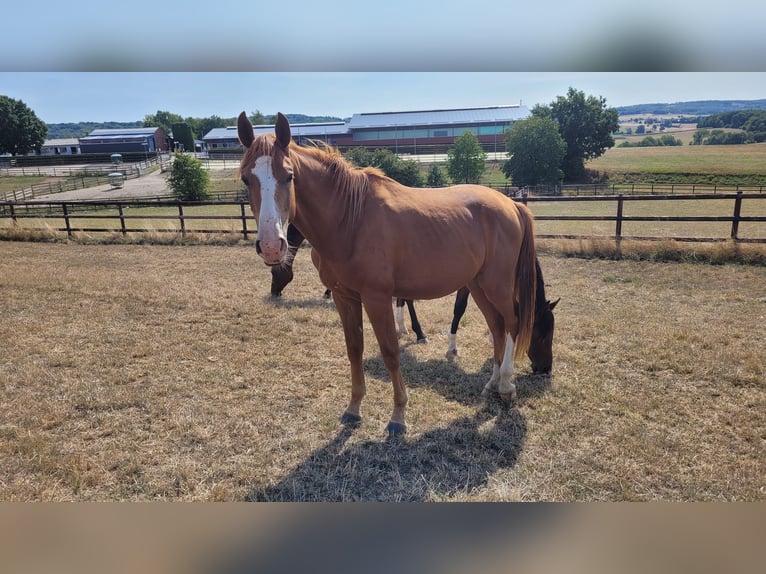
(382,319)
(461,302)
(401,326)
(350,310)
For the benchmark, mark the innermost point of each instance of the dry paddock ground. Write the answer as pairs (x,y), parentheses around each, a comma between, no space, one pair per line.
(140,372)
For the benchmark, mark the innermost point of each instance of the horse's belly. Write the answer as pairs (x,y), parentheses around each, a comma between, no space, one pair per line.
(431,279)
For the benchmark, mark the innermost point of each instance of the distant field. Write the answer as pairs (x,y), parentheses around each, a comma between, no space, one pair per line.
(747,159)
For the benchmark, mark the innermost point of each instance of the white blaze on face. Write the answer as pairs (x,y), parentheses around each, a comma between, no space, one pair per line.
(269,221)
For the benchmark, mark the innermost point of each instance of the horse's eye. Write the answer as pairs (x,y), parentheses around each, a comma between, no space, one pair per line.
(289,178)
(244,180)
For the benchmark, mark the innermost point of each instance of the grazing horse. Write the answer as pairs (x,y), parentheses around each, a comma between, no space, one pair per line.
(542,330)
(373,239)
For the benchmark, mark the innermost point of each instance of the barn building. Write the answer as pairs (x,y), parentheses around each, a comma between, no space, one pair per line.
(60,146)
(333,133)
(434,131)
(125,140)
(413,132)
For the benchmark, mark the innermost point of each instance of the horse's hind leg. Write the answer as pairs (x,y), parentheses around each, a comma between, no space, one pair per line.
(502,368)
(461,302)
(497,327)
(349,308)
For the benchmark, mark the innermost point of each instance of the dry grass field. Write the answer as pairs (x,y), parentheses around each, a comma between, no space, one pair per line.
(149,372)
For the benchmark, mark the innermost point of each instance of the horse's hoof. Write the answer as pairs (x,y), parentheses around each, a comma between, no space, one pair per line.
(485,392)
(423,341)
(508,397)
(395,429)
(350,420)
(451,355)
(276,295)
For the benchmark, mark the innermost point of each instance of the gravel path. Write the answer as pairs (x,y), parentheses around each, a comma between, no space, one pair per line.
(149,185)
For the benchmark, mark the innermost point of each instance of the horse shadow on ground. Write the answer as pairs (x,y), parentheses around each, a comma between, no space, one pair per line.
(439,464)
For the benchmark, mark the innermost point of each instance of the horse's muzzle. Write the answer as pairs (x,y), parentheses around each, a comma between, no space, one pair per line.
(272,252)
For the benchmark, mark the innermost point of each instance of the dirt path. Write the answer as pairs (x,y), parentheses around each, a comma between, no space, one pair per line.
(149,185)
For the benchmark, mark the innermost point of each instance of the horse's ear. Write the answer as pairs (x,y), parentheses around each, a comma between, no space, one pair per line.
(245,130)
(552,306)
(282,130)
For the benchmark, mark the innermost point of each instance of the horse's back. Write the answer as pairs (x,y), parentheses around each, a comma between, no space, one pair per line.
(429,242)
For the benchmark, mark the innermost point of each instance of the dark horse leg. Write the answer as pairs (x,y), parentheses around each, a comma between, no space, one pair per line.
(281,275)
(461,302)
(401,327)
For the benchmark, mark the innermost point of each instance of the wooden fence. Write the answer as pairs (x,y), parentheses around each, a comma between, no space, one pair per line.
(11,213)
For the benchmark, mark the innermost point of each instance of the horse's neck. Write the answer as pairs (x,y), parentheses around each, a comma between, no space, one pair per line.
(320,209)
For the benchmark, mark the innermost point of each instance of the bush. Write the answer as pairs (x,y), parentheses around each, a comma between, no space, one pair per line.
(188,179)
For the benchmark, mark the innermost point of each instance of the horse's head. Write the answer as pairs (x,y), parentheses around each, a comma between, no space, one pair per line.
(541,347)
(267,173)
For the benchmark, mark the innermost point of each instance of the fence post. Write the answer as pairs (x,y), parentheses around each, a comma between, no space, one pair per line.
(181,219)
(13,215)
(244,220)
(66,220)
(122,219)
(618,225)
(735,220)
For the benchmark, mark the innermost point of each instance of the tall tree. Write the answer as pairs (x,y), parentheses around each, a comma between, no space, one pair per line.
(183,134)
(536,150)
(435,177)
(21,131)
(257,118)
(162,119)
(586,125)
(466,160)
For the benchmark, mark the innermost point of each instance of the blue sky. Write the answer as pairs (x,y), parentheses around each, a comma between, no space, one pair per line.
(129,96)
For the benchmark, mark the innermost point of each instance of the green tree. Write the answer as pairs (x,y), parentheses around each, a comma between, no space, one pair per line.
(435,177)
(466,160)
(536,150)
(161,119)
(183,134)
(586,125)
(405,172)
(188,179)
(21,131)
(257,118)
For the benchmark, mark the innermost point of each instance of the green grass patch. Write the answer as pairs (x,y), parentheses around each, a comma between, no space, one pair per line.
(730,165)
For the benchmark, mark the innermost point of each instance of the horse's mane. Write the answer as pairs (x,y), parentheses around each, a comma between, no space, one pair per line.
(349,181)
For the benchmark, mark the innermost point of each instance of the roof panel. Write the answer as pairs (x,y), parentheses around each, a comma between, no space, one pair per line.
(439,117)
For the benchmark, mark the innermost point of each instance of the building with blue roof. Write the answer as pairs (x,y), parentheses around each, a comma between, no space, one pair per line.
(408,132)
(125,140)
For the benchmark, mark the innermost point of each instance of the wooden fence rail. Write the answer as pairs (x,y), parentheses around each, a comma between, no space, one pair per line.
(71,212)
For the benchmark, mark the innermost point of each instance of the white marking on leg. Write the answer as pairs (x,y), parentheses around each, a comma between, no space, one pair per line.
(505,383)
(492,383)
(399,314)
(452,343)
(451,353)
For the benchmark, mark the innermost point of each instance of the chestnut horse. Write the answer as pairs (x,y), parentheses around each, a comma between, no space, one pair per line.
(282,275)
(374,239)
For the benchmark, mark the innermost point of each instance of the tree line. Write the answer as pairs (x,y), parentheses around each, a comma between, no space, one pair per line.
(752,122)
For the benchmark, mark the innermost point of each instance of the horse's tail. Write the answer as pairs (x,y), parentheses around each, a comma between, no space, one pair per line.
(525,283)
